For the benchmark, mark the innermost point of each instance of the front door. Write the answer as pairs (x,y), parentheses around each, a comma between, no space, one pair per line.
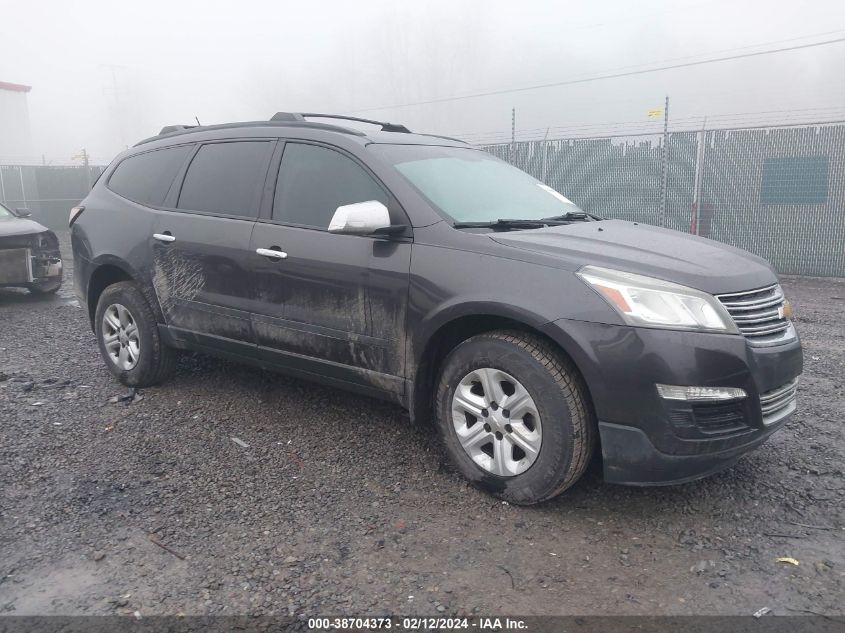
(329,304)
(201,244)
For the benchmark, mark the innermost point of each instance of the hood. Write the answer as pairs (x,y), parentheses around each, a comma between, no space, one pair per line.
(19,226)
(647,250)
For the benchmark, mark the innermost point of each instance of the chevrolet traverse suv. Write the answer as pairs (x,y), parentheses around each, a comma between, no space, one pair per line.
(421,270)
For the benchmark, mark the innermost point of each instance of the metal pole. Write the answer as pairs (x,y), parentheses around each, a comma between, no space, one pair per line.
(2,188)
(545,154)
(23,187)
(699,169)
(665,165)
(513,134)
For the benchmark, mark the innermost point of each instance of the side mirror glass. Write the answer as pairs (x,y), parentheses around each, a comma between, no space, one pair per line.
(361,218)
(23,213)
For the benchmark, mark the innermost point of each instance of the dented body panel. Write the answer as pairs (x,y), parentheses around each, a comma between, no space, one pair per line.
(29,252)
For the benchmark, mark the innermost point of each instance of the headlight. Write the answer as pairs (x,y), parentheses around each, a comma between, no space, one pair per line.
(645,301)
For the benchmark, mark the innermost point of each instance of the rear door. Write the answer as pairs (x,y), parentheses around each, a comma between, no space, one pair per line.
(201,243)
(331,305)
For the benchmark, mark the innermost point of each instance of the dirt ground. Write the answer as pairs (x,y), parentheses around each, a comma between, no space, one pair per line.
(337,505)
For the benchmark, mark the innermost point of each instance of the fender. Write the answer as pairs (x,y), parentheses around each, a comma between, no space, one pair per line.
(141,279)
(556,330)
(460,307)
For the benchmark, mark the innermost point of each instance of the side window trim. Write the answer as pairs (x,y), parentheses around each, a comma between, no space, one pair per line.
(267,214)
(176,186)
(176,191)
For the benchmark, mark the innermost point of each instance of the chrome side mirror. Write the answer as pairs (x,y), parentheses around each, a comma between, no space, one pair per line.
(361,218)
(23,213)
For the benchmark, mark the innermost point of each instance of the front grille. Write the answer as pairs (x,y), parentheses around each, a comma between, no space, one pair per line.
(720,418)
(759,314)
(703,420)
(780,402)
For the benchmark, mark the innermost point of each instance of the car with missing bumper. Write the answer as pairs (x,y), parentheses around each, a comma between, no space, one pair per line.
(424,271)
(29,253)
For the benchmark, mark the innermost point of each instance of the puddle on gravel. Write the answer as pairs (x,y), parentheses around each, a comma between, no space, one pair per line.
(53,590)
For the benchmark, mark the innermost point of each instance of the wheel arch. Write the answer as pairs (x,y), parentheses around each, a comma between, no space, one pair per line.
(457,325)
(111,270)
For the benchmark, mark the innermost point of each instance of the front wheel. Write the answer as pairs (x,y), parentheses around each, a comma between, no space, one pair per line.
(514,415)
(128,337)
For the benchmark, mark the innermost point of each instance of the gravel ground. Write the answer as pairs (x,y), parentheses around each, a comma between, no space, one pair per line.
(337,505)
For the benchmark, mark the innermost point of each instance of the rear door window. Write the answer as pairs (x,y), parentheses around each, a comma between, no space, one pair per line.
(226,178)
(314,181)
(146,178)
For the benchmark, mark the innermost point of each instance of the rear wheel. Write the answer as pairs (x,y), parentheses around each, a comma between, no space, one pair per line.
(128,337)
(514,416)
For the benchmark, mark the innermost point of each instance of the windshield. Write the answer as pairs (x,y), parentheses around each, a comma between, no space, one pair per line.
(5,213)
(469,185)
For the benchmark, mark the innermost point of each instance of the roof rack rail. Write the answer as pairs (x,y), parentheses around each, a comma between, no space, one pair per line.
(177,130)
(301,116)
(167,129)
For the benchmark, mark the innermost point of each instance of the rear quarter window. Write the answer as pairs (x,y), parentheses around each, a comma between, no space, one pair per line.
(146,178)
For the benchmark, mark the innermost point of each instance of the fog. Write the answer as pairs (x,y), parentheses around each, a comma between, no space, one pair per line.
(107,74)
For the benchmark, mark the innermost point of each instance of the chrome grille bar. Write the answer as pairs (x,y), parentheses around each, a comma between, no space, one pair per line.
(778,326)
(777,403)
(736,306)
(758,313)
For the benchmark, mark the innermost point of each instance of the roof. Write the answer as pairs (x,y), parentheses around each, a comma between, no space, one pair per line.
(5,85)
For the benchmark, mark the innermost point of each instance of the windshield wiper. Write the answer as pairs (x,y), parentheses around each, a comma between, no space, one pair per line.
(507,223)
(569,215)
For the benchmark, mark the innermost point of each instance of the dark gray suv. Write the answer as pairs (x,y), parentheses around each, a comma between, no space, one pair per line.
(418,269)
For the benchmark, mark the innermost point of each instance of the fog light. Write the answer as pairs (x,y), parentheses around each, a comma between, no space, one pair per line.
(700,394)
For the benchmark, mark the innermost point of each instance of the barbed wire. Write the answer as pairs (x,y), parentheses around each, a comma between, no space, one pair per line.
(808,116)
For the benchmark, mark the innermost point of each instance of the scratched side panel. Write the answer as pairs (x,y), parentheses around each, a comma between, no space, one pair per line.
(201,279)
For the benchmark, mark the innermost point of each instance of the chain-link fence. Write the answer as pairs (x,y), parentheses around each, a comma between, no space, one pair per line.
(778,192)
(47,191)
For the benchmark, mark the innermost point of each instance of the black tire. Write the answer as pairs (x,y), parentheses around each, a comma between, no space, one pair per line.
(45,287)
(555,385)
(155,361)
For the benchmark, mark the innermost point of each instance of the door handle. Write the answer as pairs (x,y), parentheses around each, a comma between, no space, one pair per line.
(272,252)
(164,237)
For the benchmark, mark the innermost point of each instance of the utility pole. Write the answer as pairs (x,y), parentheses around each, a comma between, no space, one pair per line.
(513,134)
(120,94)
(664,201)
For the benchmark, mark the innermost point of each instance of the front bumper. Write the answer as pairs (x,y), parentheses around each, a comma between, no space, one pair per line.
(647,440)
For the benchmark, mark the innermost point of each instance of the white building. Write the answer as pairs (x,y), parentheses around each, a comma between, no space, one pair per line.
(15,134)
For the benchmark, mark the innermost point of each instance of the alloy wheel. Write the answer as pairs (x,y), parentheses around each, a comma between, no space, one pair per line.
(121,336)
(496,422)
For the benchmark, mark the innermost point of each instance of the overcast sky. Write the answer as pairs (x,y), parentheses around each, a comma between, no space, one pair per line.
(106,74)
